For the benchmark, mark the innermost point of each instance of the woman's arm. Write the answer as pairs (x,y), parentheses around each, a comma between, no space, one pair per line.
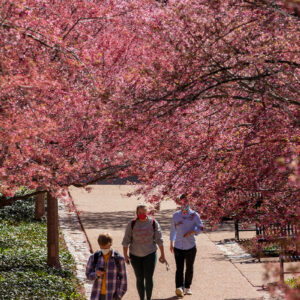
(162,258)
(126,241)
(125,253)
(172,235)
(198,225)
(159,241)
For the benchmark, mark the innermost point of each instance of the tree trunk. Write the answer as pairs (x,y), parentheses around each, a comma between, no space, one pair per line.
(39,206)
(52,232)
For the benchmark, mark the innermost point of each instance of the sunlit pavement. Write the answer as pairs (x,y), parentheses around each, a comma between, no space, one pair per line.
(107,209)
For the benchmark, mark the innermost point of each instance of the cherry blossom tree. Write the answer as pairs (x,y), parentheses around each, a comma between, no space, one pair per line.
(195,97)
(57,59)
(211,105)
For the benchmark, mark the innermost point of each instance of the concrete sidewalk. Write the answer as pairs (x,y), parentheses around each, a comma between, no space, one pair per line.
(104,209)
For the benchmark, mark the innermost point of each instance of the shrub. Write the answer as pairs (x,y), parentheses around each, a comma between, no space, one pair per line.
(24,273)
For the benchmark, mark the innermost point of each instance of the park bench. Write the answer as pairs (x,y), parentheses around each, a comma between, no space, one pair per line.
(287,257)
(238,229)
(265,232)
(284,237)
(276,234)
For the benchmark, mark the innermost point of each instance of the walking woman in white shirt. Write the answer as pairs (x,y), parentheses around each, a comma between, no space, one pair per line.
(186,223)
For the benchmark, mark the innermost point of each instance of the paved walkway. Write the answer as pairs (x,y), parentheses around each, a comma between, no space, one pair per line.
(76,242)
(104,209)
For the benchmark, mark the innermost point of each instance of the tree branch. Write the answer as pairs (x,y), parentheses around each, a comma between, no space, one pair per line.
(4,201)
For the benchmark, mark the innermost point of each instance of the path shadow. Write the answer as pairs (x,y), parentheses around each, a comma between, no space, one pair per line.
(170,298)
(262,261)
(243,298)
(119,219)
(217,257)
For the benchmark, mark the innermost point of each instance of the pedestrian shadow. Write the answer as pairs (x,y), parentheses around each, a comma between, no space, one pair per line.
(117,220)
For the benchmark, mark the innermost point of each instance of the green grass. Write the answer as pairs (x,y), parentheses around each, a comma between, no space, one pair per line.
(24,273)
(272,250)
(293,282)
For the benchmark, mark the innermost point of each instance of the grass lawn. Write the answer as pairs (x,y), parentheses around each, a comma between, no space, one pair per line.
(24,273)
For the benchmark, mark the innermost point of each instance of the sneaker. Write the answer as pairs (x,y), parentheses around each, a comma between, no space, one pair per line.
(188,291)
(179,292)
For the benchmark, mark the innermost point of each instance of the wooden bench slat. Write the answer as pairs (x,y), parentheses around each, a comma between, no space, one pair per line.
(276,233)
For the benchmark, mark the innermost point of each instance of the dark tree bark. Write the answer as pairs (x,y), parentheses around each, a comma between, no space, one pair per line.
(52,232)
(39,206)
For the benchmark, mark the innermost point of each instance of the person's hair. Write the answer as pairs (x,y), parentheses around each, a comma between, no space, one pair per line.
(104,239)
(182,197)
(141,206)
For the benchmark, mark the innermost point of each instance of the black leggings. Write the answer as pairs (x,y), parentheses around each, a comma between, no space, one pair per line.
(144,269)
(189,257)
